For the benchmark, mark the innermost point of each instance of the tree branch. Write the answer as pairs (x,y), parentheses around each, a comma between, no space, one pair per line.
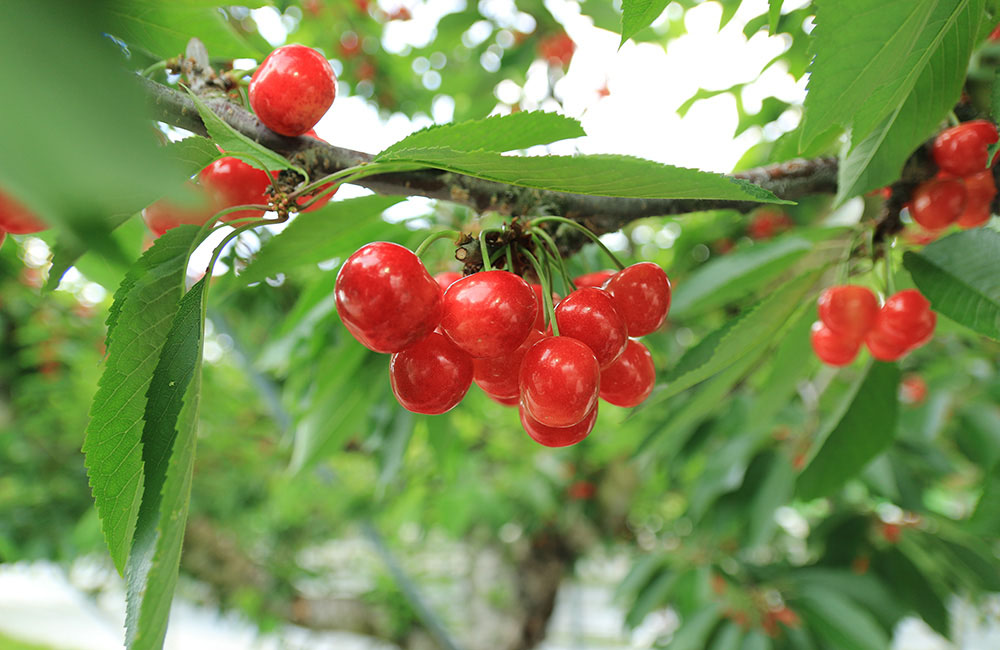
(788,180)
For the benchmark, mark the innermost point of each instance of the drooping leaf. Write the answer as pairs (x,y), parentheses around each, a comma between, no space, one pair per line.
(775,491)
(651,596)
(773,15)
(791,361)
(638,15)
(960,275)
(336,230)
(137,329)
(168,445)
(866,429)
(756,640)
(597,175)
(730,637)
(693,633)
(914,589)
(841,623)
(498,133)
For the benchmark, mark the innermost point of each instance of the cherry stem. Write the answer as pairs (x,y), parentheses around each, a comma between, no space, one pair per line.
(890,284)
(547,240)
(585,231)
(442,234)
(550,311)
(159,65)
(484,250)
(348,175)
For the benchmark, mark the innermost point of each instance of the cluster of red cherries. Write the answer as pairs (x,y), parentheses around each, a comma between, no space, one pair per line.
(849,315)
(489,327)
(964,188)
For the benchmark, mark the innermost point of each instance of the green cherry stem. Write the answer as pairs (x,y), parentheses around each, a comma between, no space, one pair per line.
(484,250)
(553,249)
(550,311)
(583,229)
(433,237)
(890,283)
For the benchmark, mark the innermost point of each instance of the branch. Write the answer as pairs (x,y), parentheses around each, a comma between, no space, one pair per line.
(790,180)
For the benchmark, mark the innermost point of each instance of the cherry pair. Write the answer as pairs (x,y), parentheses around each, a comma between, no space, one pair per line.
(964,189)
(850,315)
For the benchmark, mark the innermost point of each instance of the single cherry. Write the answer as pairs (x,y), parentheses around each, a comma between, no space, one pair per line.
(165,214)
(431,376)
(489,313)
(628,381)
(558,436)
(595,279)
(938,203)
(292,89)
(498,376)
(446,278)
(980,186)
(962,149)
(849,310)
(641,295)
(233,182)
(504,401)
(589,315)
(975,215)
(833,348)
(907,316)
(386,298)
(885,346)
(913,389)
(559,380)
(16,218)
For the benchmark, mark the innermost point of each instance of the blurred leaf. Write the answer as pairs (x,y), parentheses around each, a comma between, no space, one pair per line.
(838,621)
(729,637)
(751,330)
(642,571)
(238,145)
(960,275)
(639,14)
(911,586)
(651,596)
(138,325)
(867,590)
(755,640)
(865,430)
(773,15)
(729,9)
(497,133)
(168,443)
(393,447)
(776,490)
(693,633)
(335,231)
(792,361)
(985,519)
(595,175)
(979,435)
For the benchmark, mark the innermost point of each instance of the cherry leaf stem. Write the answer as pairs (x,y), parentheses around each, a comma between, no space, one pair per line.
(586,231)
(545,239)
(442,234)
(550,312)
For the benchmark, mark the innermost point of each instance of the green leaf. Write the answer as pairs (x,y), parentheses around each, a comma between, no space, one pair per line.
(879,151)
(498,133)
(865,430)
(394,446)
(164,28)
(729,637)
(596,175)
(642,571)
(960,275)
(791,362)
(838,621)
(751,330)
(238,145)
(168,445)
(333,231)
(773,16)
(913,588)
(693,633)
(138,325)
(985,519)
(638,15)
(653,595)
(756,640)
(775,491)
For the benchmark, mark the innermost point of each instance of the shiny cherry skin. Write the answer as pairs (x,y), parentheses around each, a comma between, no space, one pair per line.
(446,278)
(559,380)
(386,298)
(431,376)
(233,182)
(558,436)
(16,218)
(848,310)
(832,348)
(907,316)
(975,215)
(980,186)
(488,314)
(589,315)
(884,346)
(628,381)
(938,203)
(292,89)
(498,376)
(594,279)
(504,401)
(641,296)
(962,149)
(164,214)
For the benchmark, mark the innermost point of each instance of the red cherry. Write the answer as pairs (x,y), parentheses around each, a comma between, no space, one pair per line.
(504,401)
(558,436)
(981,186)
(557,49)
(540,315)
(938,203)
(386,298)
(913,389)
(446,278)
(559,380)
(975,215)
(16,218)
(907,316)
(431,376)
(233,182)
(292,89)
(498,376)
(595,279)
(884,346)
(961,150)
(588,315)
(767,223)
(489,313)
(833,348)
(848,310)
(164,214)
(641,295)
(628,381)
